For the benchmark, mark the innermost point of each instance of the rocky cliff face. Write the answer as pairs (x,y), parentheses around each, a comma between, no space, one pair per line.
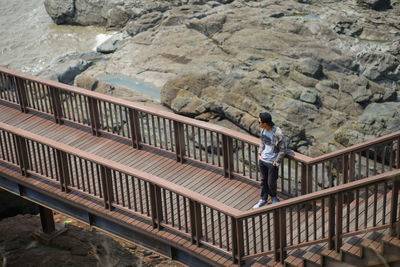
(327,70)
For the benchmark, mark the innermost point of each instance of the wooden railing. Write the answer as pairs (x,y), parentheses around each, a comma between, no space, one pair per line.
(245,235)
(232,152)
(323,216)
(273,229)
(162,203)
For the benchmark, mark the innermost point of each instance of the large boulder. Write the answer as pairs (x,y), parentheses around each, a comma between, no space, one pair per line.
(379,66)
(65,68)
(380,118)
(61,11)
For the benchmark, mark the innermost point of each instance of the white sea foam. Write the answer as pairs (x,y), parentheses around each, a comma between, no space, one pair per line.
(101,38)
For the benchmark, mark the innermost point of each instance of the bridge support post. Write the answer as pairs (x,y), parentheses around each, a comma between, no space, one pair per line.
(179,141)
(106,181)
(22,154)
(280,235)
(195,222)
(56,104)
(227,154)
(21,92)
(156,206)
(135,128)
(94,116)
(49,230)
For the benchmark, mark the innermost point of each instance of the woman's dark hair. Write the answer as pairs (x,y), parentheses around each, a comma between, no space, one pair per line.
(266,118)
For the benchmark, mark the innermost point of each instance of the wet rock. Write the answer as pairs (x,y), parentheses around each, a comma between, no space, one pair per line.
(65,68)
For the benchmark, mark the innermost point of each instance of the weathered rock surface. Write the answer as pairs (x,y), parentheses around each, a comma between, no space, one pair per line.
(316,66)
(75,247)
(66,67)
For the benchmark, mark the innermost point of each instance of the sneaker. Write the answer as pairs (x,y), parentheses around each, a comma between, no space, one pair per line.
(260,203)
(274,200)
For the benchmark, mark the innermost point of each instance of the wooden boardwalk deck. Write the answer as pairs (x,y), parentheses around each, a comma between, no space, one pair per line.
(201,206)
(194,176)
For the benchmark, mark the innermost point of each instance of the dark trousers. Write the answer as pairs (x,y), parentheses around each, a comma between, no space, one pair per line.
(269,179)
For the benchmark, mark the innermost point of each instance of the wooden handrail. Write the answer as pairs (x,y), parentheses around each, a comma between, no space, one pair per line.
(323,193)
(355,148)
(136,106)
(124,169)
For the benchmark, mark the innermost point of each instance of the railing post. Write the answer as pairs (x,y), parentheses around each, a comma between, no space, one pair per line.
(156,206)
(331,222)
(339,221)
(398,154)
(135,128)
(227,154)
(56,104)
(394,208)
(279,235)
(195,222)
(63,172)
(303,178)
(94,116)
(351,167)
(179,141)
(237,241)
(21,92)
(345,168)
(22,154)
(106,180)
